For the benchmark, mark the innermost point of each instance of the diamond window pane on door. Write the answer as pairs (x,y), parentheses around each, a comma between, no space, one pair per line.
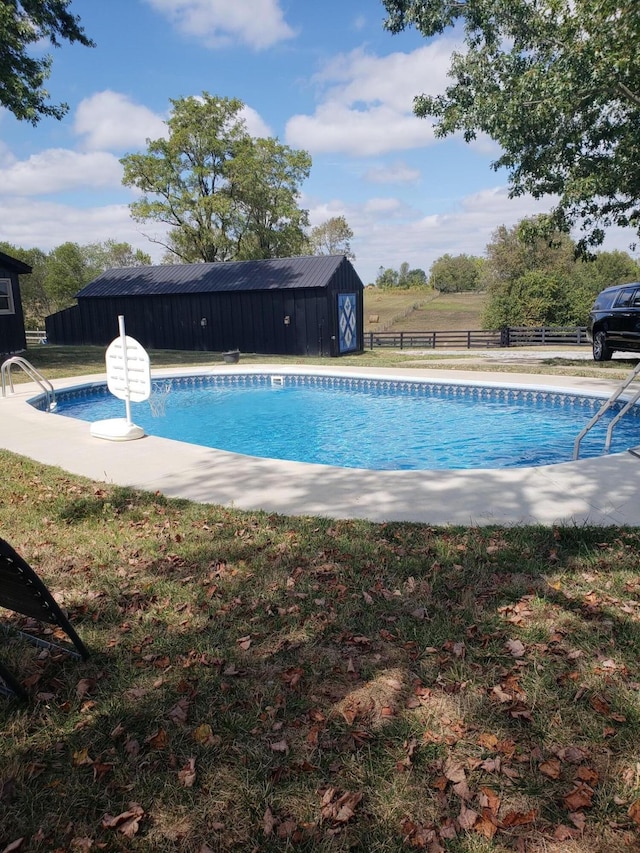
(347,321)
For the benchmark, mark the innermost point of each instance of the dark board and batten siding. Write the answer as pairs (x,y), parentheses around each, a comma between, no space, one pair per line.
(284,306)
(12,334)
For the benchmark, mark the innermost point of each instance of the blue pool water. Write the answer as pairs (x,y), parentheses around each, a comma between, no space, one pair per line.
(363,423)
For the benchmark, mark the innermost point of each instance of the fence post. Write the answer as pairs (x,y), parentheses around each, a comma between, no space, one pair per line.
(504,336)
(401,340)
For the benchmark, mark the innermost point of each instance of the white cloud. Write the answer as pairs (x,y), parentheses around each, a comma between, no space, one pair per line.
(7,157)
(366,102)
(255,124)
(257,23)
(59,170)
(388,232)
(109,120)
(45,225)
(395,173)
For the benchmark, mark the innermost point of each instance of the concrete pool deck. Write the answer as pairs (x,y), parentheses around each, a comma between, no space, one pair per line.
(603,491)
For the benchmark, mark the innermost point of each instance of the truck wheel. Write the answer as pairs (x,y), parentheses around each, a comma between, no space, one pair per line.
(601,352)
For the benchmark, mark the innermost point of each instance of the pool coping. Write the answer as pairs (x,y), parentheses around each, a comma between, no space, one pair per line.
(603,491)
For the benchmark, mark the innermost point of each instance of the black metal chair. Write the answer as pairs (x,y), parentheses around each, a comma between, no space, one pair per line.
(22,591)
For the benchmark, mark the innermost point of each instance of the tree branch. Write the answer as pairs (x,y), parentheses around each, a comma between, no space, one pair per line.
(628,93)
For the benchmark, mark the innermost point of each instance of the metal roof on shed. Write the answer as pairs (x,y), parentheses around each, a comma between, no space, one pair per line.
(272,274)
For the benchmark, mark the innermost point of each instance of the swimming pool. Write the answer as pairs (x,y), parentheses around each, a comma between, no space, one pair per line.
(370,423)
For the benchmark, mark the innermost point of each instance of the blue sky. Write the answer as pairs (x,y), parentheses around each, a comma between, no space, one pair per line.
(322,76)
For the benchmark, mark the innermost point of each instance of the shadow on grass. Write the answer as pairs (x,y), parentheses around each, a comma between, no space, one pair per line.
(263,682)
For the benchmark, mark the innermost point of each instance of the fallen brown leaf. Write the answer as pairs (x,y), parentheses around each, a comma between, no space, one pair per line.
(127,822)
(515,648)
(339,808)
(486,827)
(454,771)
(81,758)
(158,740)
(551,768)
(564,832)
(588,775)
(634,812)
(268,822)
(187,776)
(467,817)
(580,797)
(488,799)
(178,714)
(518,818)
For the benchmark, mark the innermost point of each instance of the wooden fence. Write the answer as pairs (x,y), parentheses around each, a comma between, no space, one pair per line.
(517,336)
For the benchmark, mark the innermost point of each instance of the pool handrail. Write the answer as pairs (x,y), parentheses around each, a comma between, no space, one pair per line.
(33,374)
(605,407)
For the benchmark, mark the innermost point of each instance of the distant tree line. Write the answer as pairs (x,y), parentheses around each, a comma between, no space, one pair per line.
(59,274)
(529,279)
(403,278)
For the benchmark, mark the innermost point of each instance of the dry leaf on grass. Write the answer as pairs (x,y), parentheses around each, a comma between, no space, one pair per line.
(127,822)
(551,768)
(454,771)
(467,817)
(268,821)
(515,648)
(579,798)
(634,812)
(187,776)
(339,808)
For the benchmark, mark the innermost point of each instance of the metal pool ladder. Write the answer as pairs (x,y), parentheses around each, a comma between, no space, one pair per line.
(33,374)
(606,406)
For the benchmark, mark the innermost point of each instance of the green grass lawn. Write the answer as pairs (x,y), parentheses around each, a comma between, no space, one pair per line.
(266,683)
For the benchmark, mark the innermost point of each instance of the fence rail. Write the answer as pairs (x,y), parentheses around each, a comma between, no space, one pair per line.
(35,337)
(479,338)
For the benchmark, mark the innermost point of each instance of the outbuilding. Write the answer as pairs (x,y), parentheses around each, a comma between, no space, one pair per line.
(12,336)
(284,306)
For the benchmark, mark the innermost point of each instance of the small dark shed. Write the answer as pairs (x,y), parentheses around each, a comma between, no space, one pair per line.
(12,336)
(283,306)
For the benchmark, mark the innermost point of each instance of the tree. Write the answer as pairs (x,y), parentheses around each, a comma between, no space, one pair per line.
(557,84)
(539,281)
(524,275)
(112,255)
(404,278)
(24,23)
(386,278)
(333,237)
(593,275)
(264,177)
(536,298)
(455,273)
(224,194)
(517,250)
(69,268)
